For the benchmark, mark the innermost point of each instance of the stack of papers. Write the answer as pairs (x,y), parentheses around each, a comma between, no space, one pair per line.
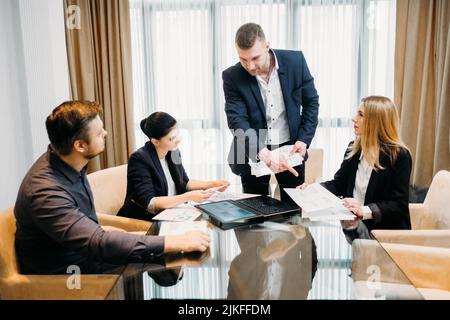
(318,203)
(179,214)
(175,228)
(220,196)
(260,169)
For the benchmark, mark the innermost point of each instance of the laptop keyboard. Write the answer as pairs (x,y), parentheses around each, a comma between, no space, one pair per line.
(266,207)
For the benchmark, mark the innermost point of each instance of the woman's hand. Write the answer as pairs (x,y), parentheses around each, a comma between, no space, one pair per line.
(198,195)
(219,183)
(302,186)
(354,206)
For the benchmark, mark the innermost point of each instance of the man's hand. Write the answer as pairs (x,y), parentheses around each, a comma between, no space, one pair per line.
(187,242)
(276,161)
(299,147)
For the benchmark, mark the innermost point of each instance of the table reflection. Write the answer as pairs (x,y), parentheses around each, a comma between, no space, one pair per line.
(273,264)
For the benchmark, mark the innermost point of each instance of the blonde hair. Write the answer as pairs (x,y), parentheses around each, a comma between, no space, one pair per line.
(379,131)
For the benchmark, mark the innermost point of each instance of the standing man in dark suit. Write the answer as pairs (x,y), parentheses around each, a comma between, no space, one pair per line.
(270,101)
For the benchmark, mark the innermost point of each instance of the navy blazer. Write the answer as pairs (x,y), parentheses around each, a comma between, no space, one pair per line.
(387,193)
(146,179)
(245,108)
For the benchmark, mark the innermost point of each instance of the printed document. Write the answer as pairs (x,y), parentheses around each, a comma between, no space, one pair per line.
(220,196)
(174,228)
(260,169)
(318,203)
(179,214)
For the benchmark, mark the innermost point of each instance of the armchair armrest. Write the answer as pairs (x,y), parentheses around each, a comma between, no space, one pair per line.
(420,217)
(431,238)
(426,267)
(367,254)
(128,224)
(44,287)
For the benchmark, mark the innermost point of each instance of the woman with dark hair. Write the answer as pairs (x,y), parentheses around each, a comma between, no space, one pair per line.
(374,177)
(156,177)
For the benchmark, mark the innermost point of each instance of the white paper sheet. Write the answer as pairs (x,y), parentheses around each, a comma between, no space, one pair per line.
(318,203)
(179,214)
(260,169)
(219,196)
(174,228)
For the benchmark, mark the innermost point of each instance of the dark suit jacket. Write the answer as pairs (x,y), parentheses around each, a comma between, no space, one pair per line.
(387,192)
(245,108)
(146,180)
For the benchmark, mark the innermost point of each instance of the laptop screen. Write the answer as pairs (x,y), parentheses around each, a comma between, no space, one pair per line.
(226,211)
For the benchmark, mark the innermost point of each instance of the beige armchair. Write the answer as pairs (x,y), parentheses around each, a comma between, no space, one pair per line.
(399,271)
(14,285)
(314,166)
(430,221)
(423,253)
(109,189)
(376,276)
(428,268)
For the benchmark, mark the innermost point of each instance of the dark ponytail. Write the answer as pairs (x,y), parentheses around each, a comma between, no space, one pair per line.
(157,125)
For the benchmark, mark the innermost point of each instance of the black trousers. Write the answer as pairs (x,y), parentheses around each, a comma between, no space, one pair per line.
(285,179)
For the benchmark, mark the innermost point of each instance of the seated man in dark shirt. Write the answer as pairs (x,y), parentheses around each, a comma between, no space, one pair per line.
(57,226)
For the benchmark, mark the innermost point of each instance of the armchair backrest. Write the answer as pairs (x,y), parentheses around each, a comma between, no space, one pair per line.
(436,200)
(314,166)
(109,188)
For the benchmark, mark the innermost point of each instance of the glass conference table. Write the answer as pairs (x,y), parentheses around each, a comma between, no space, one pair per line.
(289,259)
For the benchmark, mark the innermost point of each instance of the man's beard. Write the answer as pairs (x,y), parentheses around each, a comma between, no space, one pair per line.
(92,155)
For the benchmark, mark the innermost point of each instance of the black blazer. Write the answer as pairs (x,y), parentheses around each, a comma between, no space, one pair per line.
(246,112)
(146,179)
(387,193)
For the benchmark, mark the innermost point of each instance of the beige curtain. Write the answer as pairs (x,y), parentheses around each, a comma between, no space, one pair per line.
(99,55)
(422,84)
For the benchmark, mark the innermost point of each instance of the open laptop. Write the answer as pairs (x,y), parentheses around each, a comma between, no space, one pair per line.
(228,214)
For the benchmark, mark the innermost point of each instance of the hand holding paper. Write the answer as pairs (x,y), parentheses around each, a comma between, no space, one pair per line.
(276,161)
(318,203)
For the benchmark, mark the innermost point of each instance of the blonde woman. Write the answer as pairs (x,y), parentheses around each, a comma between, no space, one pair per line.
(374,177)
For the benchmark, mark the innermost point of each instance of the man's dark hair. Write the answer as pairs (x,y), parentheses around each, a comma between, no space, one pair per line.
(69,122)
(247,35)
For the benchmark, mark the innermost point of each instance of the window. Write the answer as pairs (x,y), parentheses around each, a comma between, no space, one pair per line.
(180,49)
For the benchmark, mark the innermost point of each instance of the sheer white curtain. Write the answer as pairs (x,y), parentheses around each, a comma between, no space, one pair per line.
(181,47)
(349,46)
(172,59)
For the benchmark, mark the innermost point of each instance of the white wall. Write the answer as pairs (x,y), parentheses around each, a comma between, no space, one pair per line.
(33,80)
